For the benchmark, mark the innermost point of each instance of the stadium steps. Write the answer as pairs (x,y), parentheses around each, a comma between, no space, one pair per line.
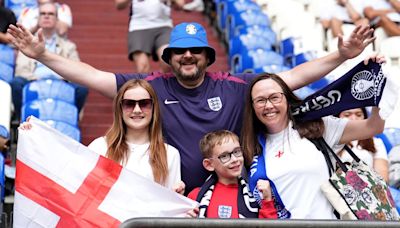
(100,31)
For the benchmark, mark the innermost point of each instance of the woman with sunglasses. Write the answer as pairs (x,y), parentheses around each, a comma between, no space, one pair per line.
(135,138)
(276,147)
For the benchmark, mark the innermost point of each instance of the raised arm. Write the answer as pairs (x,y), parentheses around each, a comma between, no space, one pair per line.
(314,70)
(363,129)
(75,71)
(122,4)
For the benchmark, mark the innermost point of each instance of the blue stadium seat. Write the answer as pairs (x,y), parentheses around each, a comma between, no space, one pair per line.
(317,85)
(304,92)
(247,61)
(18,5)
(272,69)
(385,140)
(247,42)
(226,7)
(393,136)
(396,197)
(6,72)
(302,58)
(258,30)
(48,88)
(51,109)
(247,18)
(7,55)
(2,177)
(65,128)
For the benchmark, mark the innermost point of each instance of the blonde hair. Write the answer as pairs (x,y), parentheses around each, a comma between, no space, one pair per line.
(211,139)
(116,136)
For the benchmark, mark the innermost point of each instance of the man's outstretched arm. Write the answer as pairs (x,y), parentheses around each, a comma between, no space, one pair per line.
(314,70)
(75,71)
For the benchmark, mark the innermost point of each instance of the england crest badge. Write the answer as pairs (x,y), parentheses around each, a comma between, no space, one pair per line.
(215,103)
(224,211)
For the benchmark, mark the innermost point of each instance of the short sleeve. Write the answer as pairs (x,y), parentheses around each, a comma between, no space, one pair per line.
(381,152)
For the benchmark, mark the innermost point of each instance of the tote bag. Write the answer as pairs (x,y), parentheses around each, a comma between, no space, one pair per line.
(356,191)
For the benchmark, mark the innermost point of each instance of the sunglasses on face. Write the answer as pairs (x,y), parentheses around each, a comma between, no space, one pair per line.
(129,105)
(193,50)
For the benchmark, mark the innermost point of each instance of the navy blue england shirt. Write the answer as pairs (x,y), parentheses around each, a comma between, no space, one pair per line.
(189,114)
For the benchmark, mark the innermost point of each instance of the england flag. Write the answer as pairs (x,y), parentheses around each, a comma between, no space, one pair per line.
(61,183)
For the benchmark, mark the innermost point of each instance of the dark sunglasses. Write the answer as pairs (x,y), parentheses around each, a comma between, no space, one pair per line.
(193,50)
(129,105)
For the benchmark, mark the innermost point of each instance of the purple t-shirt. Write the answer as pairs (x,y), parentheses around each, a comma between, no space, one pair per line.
(189,114)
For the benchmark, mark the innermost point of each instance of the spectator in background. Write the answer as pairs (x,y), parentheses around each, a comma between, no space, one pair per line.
(150,26)
(7,17)
(135,138)
(371,150)
(194,5)
(384,14)
(28,69)
(29,17)
(341,12)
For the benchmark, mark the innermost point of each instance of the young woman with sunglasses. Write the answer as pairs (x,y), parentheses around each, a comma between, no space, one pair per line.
(276,147)
(135,138)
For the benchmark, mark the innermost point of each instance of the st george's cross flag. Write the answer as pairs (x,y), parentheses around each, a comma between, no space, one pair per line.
(61,183)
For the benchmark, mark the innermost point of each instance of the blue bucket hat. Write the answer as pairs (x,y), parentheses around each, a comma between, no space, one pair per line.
(188,35)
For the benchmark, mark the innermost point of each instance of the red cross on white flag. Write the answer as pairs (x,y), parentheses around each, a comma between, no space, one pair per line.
(61,183)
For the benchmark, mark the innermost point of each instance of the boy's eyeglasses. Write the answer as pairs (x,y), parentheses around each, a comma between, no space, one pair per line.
(193,50)
(274,98)
(226,157)
(129,105)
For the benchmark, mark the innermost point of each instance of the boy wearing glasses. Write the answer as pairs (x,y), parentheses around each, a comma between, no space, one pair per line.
(225,193)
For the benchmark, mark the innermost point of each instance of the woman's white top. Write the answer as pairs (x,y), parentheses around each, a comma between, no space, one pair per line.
(298,169)
(365,155)
(138,160)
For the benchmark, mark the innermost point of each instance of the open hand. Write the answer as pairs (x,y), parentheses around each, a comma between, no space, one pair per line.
(356,43)
(30,45)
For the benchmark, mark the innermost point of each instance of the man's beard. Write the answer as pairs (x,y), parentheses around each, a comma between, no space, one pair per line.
(190,78)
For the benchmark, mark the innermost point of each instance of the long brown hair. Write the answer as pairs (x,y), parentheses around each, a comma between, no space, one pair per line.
(116,136)
(252,126)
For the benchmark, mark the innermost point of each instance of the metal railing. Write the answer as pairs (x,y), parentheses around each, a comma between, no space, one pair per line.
(292,223)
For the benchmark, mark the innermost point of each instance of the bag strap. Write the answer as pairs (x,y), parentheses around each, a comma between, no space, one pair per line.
(320,147)
(352,154)
(323,146)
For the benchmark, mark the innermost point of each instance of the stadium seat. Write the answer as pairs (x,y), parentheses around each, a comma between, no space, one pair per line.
(51,109)
(6,72)
(48,88)
(389,48)
(66,129)
(396,197)
(248,42)
(247,61)
(245,19)
(5,104)
(304,92)
(2,178)
(17,5)
(7,55)
(258,30)
(272,69)
(393,136)
(227,7)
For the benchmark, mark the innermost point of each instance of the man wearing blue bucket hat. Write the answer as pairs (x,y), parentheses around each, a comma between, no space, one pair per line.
(193,101)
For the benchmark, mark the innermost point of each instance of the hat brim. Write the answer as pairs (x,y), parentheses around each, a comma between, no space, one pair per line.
(188,43)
